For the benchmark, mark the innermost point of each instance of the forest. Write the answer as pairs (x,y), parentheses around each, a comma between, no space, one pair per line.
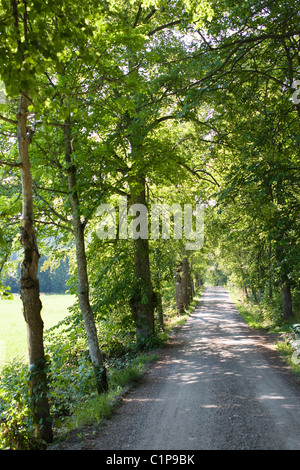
(117,107)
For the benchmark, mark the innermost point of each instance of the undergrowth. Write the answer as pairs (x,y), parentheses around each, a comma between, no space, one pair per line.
(95,409)
(73,399)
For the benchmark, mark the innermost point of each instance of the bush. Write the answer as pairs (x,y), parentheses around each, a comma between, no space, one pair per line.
(72,389)
(17,429)
(16,424)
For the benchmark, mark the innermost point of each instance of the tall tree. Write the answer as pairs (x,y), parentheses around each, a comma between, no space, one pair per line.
(246,76)
(82,273)
(33,34)
(18,36)
(149,66)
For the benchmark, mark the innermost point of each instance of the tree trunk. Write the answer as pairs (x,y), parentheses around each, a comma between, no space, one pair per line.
(142,301)
(185,282)
(270,288)
(82,275)
(157,287)
(192,288)
(178,295)
(30,292)
(178,290)
(287,305)
(158,302)
(270,281)
(254,294)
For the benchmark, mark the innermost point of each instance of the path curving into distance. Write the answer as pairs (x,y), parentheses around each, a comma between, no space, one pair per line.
(220,385)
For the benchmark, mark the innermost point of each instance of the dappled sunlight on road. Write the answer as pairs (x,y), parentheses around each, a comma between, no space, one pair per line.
(270,397)
(215,388)
(220,359)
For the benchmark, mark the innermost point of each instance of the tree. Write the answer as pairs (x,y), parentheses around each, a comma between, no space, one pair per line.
(247,76)
(33,34)
(18,36)
(145,100)
(83,283)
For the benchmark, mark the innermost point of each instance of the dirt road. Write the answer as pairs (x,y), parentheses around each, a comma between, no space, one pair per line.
(220,385)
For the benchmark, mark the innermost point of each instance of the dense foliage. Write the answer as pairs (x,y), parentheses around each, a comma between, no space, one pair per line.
(156,102)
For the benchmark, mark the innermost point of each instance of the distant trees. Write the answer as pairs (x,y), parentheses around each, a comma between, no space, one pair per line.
(52,279)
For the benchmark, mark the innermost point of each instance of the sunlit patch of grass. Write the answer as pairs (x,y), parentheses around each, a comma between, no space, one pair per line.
(13,334)
(174,319)
(101,407)
(251,313)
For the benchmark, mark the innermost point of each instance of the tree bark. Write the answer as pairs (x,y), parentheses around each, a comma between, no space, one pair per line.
(30,292)
(157,289)
(160,311)
(142,301)
(158,302)
(82,275)
(178,295)
(270,280)
(186,282)
(178,289)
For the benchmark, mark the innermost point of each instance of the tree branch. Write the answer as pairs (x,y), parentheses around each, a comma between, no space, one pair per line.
(137,16)
(58,191)
(11,164)
(262,37)
(59,216)
(195,173)
(52,222)
(10,121)
(164,26)
(159,120)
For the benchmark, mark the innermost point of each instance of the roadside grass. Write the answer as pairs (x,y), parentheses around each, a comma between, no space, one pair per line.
(98,408)
(250,312)
(269,319)
(13,335)
(75,406)
(101,407)
(174,320)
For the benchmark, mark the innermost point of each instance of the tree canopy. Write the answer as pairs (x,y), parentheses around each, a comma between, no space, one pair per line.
(170,102)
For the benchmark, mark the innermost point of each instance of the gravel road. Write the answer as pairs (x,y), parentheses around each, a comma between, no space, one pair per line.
(219,385)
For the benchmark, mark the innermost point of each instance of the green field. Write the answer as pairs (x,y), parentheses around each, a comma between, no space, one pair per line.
(13,340)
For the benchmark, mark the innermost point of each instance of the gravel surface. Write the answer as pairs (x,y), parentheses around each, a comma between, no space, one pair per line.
(218,385)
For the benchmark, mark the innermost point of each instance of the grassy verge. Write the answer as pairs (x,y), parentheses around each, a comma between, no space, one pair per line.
(13,335)
(75,405)
(98,408)
(174,320)
(250,312)
(101,407)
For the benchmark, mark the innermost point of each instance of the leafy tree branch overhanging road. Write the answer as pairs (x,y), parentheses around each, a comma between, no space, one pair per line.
(157,101)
